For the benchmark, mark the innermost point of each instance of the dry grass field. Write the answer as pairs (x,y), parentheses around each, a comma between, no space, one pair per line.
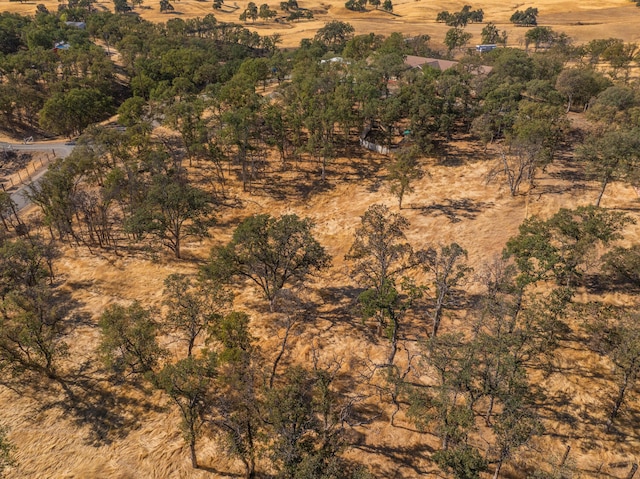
(132,435)
(582,21)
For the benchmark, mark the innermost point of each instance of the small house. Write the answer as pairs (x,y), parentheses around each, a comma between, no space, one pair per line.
(79,25)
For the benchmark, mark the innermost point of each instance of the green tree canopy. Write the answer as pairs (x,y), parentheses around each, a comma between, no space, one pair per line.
(194,306)
(166,6)
(579,85)
(173,210)
(335,35)
(456,38)
(402,172)
(69,113)
(491,35)
(271,252)
(525,18)
(128,343)
(188,383)
(557,248)
(612,154)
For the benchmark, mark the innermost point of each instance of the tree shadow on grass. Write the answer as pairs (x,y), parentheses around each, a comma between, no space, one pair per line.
(345,310)
(280,188)
(607,283)
(88,398)
(572,173)
(315,186)
(400,457)
(456,210)
(109,413)
(304,181)
(551,410)
(623,430)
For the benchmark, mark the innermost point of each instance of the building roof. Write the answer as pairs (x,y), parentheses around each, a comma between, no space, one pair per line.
(441,65)
(413,61)
(483,69)
(335,60)
(80,25)
(419,62)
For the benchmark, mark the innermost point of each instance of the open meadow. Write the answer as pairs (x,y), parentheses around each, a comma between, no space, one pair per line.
(581,21)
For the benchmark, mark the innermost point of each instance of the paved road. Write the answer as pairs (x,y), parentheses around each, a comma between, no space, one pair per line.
(60,149)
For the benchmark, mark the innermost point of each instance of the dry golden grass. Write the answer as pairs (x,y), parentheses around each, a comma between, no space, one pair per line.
(582,21)
(453,203)
(138,434)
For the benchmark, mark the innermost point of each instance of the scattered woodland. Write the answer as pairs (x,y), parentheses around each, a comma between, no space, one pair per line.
(269,304)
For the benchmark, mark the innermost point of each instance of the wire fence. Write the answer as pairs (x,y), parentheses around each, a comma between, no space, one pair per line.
(25,175)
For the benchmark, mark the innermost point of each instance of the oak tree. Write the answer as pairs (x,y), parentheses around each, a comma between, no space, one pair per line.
(614,332)
(194,305)
(307,422)
(580,85)
(557,249)
(402,171)
(447,267)
(176,210)
(166,6)
(456,38)
(516,425)
(188,383)
(32,331)
(69,113)
(491,35)
(610,155)
(525,18)
(335,35)
(271,252)
(235,410)
(381,260)
(128,344)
